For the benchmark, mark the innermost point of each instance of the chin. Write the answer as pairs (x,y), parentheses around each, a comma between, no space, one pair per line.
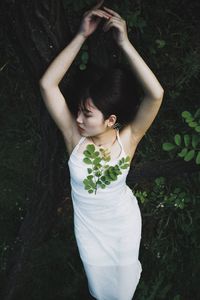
(84,134)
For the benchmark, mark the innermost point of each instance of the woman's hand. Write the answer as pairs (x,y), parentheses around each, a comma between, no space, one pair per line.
(91,19)
(119,26)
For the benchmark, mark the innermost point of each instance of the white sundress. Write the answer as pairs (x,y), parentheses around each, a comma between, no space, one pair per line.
(107,228)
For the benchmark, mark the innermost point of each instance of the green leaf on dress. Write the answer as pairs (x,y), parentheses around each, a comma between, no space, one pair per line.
(87,161)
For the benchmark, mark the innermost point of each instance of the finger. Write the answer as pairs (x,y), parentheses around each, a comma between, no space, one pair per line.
(104,12)
(116,18)
(107,24)
(112,11)
(101,12)
(98,14)
(113,25)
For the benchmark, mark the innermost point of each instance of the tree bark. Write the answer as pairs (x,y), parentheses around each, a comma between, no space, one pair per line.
(38,31)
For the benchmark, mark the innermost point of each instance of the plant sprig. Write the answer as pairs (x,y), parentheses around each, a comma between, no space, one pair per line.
(101,174)
(186,145)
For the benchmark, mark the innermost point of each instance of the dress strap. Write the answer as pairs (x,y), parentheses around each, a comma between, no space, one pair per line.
(119,140)
(83,138)
(80,142)
(77,145)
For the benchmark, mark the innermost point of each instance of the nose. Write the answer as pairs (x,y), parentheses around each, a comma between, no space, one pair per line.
(79,119)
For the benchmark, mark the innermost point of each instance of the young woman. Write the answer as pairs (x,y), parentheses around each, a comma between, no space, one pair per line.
(107,219)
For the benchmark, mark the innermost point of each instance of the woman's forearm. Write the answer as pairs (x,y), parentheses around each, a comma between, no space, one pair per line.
(149,82)
(59,66)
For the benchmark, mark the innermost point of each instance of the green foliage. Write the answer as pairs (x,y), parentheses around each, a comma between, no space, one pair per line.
(156,290)
(190,68)
(176,198)
(83,57)
(160,43)
(186,145)
(135,20)
(192,121)
(170,231)
(101,174)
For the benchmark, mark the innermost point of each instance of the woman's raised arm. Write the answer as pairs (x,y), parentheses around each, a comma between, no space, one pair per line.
(152,100)
(60,65)
(52,96)
(153,90)
(50,80)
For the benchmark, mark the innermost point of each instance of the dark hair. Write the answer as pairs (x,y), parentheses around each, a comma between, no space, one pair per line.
(113,91)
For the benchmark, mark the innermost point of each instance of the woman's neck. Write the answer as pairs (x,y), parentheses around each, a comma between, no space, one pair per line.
(105,139)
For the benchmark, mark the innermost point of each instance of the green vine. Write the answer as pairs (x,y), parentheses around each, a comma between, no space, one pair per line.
(100,173)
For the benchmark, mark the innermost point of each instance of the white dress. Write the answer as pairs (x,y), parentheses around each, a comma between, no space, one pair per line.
(107,228)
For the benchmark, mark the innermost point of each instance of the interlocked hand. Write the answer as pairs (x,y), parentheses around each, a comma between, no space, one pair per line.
(92,18)
(120,29)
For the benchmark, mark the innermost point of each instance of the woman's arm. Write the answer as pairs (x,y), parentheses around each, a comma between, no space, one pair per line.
(54,100)
(52,96)
(152,88)
(150,105)
(152,100)
(62,62)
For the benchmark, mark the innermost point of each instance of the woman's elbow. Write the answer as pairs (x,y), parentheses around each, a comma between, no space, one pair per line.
(159,95)
(42,83)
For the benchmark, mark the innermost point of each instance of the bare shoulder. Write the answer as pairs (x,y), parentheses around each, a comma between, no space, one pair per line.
(71,142)
(129,140)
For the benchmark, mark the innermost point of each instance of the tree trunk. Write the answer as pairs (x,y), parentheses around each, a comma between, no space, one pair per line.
(38,31)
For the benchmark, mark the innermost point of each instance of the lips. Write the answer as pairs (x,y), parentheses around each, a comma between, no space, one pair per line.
(80,127)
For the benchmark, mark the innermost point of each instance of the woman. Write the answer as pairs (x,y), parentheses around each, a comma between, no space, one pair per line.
(107,219)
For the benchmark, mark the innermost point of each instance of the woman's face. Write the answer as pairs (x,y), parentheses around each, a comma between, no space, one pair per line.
(90,119)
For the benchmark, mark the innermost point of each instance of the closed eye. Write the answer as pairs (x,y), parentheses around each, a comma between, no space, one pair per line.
(85,112)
